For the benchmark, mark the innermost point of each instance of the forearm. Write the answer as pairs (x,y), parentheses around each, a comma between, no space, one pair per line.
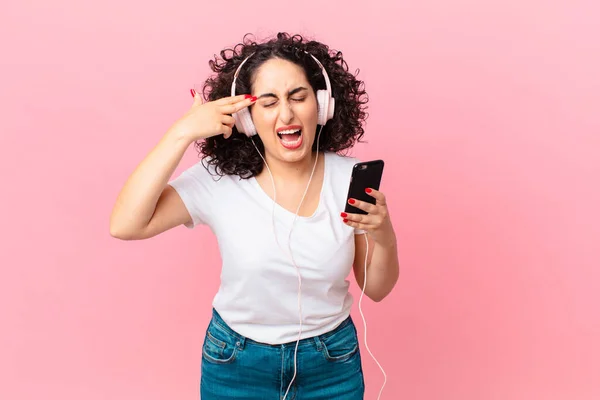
(383,270)
(137,200)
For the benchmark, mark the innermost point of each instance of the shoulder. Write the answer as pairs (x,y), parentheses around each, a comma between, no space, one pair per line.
(201,167)
(341,164)
(200,174)
(202,170)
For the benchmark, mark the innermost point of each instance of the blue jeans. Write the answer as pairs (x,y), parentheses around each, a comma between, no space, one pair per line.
(235,367)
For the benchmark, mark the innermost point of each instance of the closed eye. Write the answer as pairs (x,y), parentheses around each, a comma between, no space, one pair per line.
(296,100)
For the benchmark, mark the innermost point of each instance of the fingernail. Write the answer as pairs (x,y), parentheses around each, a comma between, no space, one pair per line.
(351,201)
(193,92)
(368,190)
(254,98)
(345,220)
(344,215)
(248,96)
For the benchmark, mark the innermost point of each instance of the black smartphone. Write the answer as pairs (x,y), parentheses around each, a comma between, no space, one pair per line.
(364,175)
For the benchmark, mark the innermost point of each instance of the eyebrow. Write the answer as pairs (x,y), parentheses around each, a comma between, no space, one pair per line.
(290,93)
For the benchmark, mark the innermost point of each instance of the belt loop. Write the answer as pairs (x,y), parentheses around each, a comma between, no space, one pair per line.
(318,342)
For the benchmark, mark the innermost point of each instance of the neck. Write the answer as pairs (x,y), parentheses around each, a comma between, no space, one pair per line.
(287,171)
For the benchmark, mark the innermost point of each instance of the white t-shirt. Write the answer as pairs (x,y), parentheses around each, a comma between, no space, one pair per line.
(258,295)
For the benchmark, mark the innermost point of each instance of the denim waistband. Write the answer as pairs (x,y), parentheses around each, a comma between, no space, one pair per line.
(218,320)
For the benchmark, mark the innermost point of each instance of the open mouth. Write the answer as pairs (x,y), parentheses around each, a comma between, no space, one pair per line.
(290,138)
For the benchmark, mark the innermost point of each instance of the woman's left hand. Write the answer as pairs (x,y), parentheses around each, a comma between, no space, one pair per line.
(377,220)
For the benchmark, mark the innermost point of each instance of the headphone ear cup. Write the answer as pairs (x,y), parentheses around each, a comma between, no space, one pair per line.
(331,108)
(243,122)
(321,107)
(325,105)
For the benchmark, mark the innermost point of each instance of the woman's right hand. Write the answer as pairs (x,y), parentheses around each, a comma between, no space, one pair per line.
(204,120)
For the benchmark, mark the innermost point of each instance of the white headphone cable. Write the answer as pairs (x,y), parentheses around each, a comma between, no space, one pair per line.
(289,244)
(298,270)
(363,316)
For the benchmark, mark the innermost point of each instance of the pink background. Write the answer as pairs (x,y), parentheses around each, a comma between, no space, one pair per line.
(486,113)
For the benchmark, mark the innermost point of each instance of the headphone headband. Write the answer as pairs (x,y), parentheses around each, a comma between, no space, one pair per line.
(323,71)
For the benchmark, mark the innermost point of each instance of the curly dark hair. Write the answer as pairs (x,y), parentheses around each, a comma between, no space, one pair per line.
(237,155)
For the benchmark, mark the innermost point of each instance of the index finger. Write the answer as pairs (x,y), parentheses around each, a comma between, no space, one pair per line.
(363,205)
(379,197)
(233,108)
(223,101)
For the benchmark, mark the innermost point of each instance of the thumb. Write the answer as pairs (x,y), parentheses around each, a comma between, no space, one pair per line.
(197,97)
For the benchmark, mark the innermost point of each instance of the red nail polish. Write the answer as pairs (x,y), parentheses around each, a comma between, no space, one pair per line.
(193,92)
(351,201)
(345,220)
(344,215)
(248,96)
(368,190)
(254,98)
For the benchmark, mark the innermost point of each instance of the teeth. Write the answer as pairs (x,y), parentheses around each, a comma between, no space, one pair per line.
(289,132)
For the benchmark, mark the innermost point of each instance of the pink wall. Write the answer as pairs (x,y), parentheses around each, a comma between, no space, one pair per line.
(487,114)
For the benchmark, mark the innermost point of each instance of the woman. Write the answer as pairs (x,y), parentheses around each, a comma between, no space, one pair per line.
(281,325)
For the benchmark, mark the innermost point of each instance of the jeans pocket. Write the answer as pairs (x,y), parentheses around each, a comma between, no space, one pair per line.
(219,347)
(341,345)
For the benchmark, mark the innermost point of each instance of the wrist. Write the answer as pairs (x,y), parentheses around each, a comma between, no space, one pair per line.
(386,238)
(179,136)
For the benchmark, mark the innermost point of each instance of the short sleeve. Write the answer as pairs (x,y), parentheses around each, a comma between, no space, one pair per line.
(196,187)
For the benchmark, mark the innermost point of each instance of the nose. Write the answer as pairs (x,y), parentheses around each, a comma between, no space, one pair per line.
(286,112)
